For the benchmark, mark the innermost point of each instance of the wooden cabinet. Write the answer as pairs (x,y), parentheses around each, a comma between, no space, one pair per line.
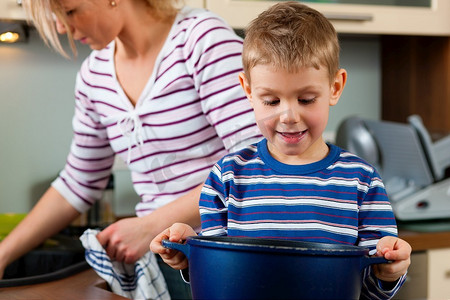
(439,274)
(416,80)
(429,272)
(428,276)
(11,10)
(352,18)
(416,284)
(415,51)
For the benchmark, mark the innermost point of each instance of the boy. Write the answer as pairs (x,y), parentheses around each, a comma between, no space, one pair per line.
(293,185)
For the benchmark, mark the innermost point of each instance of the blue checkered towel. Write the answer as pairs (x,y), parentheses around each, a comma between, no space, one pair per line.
(142,280)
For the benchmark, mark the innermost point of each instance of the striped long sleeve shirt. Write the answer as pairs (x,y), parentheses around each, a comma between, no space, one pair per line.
(191,113)
(340,199)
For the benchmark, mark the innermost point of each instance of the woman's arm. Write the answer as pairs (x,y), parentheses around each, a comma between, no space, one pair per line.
(215,63)
(50,215)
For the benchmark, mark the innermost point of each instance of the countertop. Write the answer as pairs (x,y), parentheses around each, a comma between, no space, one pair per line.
(88,285)
(84,285)
(421,241)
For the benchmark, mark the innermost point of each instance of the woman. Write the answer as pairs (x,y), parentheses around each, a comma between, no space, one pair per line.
(161,91)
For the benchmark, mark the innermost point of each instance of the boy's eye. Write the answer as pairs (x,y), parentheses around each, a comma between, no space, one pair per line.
(70,12)
(307,101)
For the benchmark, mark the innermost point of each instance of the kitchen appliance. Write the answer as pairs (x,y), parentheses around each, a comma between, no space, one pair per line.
(411,165)
(255,268)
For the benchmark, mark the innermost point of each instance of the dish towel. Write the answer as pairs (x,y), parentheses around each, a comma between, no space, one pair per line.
(142,280)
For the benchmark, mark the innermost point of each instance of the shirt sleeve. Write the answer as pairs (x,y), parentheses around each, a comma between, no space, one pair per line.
(213,206)
(215,63)
(373,287)
(89,163)
(375,221)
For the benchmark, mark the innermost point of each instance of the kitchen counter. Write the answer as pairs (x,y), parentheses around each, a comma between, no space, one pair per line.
(421,241)
(84,285)
(88,285)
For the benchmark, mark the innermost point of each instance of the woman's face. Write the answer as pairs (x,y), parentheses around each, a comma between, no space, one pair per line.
(92,22)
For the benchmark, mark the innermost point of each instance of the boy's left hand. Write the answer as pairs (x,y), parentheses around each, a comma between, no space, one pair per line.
(397,250)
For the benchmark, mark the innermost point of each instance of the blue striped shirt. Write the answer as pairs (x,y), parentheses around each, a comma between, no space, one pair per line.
(340,199)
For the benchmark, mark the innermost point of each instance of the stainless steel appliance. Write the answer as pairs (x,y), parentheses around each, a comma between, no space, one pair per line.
(412,166)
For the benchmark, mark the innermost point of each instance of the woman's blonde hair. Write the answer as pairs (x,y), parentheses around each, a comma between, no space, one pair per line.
(43,12)
(290,35)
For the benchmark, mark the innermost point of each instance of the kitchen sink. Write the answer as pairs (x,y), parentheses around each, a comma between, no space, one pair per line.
(58,257)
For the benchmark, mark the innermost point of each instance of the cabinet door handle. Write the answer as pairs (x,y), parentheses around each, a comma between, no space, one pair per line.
(19,2)
(349,17)
(447,274)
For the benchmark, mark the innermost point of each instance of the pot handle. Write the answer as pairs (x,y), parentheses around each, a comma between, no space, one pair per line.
(177,246)
(368,260)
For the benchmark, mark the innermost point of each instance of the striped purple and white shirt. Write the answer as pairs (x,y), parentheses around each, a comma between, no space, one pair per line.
(191,113)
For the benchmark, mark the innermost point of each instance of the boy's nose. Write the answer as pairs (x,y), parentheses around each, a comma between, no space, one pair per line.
(289,115)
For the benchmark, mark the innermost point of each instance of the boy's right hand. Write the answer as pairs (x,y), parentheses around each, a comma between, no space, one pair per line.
(176,233)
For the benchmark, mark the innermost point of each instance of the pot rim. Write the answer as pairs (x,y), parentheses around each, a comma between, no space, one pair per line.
(276,246)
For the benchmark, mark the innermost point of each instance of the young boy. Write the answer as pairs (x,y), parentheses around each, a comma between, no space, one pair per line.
(293,185)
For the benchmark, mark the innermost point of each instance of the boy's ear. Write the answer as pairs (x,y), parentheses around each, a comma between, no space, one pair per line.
(338,86)
(246,86)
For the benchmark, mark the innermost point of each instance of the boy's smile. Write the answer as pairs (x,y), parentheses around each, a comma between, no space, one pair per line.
(291,109)
(291,137)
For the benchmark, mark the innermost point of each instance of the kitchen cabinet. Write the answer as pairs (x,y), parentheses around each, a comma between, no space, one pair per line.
(195,3)
(416,284)
(439,274)
(11,10)
(415,73)
(428,276)
(429,272)
(432,19)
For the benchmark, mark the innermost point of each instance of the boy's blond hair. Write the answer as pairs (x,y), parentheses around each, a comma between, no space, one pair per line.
(290,35)
(41,13)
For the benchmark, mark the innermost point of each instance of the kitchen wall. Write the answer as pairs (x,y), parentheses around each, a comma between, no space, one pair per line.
(36,107)
(360,56)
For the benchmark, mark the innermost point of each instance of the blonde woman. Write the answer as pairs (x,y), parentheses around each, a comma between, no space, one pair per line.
(161,91)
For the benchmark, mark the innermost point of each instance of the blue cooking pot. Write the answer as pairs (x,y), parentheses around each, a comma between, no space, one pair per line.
(253,268)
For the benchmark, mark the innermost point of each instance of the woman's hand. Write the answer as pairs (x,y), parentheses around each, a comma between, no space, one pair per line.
(177,233)
(126,240)
(397,250)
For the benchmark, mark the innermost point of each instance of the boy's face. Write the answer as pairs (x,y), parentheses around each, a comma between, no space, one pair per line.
(291,109)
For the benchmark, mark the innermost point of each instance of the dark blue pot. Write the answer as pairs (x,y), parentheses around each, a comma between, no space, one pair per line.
(246,268)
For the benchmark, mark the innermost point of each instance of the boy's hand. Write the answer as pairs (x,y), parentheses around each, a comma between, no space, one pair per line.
(177,233)
(397,250)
